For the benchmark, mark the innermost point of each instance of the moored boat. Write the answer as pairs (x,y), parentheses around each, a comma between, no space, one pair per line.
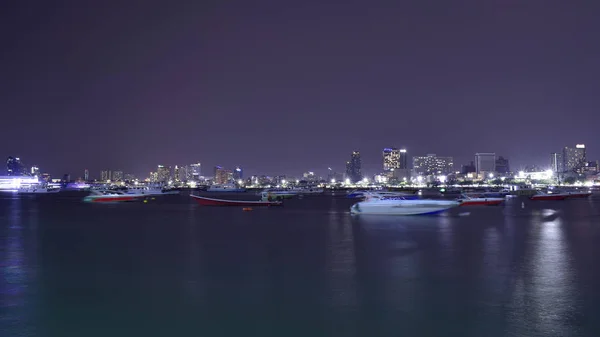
(548,196)
(466,200)
(225,188)
(110,196)
(577,194)
(204,201)
(376,204)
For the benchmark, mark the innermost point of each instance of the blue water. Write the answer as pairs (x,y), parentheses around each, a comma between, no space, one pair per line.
(171,268)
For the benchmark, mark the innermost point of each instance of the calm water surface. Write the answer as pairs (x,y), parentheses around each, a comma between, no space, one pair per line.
(171,268)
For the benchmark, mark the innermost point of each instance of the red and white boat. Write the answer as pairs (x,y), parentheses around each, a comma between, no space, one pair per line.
(204,201)
(465,200)
(110,196)
(549,196)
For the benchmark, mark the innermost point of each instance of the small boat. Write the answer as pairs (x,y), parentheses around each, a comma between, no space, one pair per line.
(308,190)
(277,194)
(577,194)
(548,196)
(110,196)
(204,201)
(148,191)
(466,200)
(225,188)
(377,204)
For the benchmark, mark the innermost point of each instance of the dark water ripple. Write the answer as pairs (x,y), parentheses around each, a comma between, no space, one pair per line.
(170,268)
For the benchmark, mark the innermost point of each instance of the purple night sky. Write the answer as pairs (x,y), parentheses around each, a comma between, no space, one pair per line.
(286,87)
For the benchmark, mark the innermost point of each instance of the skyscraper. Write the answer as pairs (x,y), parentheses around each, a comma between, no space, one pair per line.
(194,172)
(391,159)
(86,175)
(574,159)
(353,167)
(176,174)
(485,163)
(403,159)
(117,175)
(238,173)
(163,174)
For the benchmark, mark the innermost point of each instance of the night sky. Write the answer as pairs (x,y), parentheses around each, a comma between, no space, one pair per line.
(291,86)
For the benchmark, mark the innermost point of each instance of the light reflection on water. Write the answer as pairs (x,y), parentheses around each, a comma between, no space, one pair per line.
(17,284)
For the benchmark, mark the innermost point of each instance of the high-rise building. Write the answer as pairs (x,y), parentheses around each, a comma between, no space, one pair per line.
(86,175)
(485,163)
(238,173)
(391,159)
(177,174)
(556,163)
(432,165)
(222,176)
(574,159)
(354,167)
(129,177)
(502,166)
(404,159)
(117,176)
(163,174)
(105,175)
(194,172)
(14,167)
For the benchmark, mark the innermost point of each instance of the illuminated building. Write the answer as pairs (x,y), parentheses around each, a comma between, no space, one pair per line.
(129,177)
(222,176)
(432,165)
(354,168)
(238,174)
(163,174)
(86,175)
(404,160)
(574,159)
(485,163)
(193,172)
(391,159)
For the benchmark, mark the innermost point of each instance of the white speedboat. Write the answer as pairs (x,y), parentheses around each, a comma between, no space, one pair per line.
(225,188)
(148,191)
(377,204)
(110,196)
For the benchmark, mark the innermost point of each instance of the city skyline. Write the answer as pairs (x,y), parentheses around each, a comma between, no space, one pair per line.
(278,88)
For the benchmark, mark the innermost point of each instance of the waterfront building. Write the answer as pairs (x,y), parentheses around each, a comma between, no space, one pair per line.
(485,163)
(105,175)
(391,159)
(238,173)
(502,166)
(163,174)
(354,167)
(574,158)
(222,176)
(117,176)
(194,172)
(432,165)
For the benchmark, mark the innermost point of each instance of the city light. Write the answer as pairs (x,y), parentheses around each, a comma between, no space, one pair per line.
(442,179)
(333,181)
